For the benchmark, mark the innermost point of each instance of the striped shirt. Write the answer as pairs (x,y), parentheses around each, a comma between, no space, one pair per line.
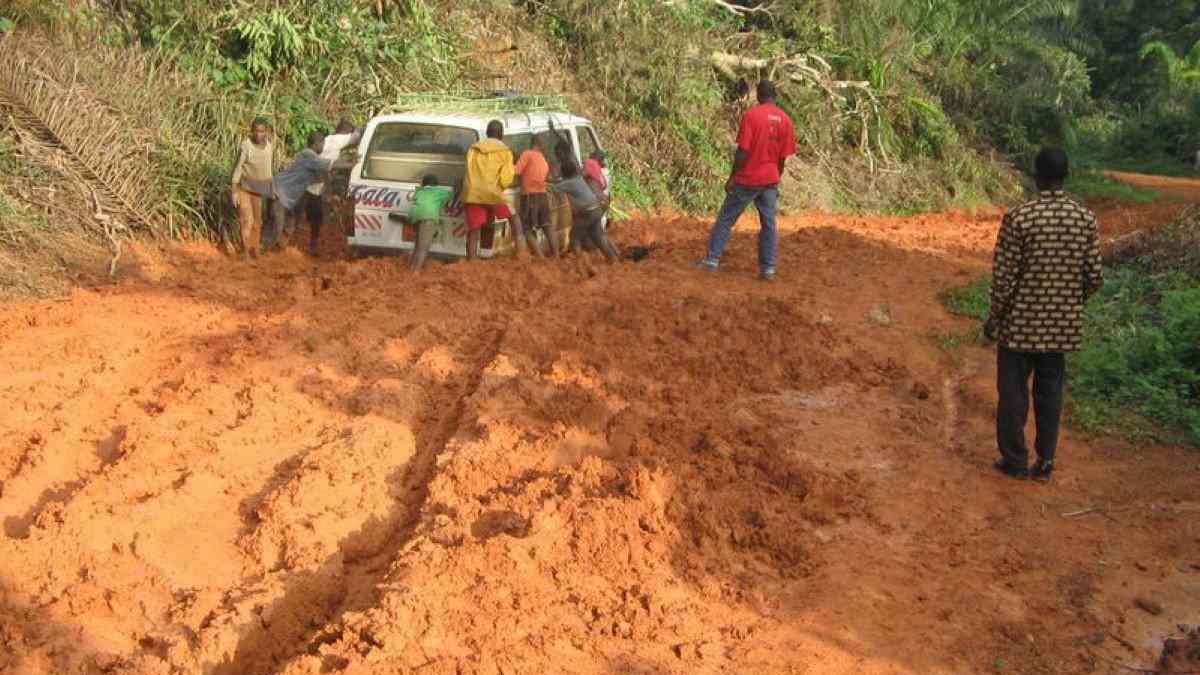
(1046,266)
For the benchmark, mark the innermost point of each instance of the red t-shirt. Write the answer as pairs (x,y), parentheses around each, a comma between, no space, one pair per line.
(767,136)
(593,171)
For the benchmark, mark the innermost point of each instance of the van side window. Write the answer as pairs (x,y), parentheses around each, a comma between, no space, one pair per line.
(587,141)
(520,142)
(550,142)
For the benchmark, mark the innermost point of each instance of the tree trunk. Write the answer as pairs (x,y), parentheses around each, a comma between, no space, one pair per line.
(827,13)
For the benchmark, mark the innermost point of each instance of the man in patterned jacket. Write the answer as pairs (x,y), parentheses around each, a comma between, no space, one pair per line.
(1047,264)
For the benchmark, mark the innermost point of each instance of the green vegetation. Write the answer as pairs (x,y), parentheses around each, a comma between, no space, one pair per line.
(1138,372)
(972,300)
(952,340)
(898,106)
(191,75)
(1146,85)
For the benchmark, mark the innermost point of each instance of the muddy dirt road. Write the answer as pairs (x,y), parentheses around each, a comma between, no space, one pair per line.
(288,468)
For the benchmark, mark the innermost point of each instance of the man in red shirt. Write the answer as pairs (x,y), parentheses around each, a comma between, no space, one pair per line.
(765,140)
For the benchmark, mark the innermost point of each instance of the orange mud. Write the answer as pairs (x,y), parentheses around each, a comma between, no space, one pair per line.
(288,468)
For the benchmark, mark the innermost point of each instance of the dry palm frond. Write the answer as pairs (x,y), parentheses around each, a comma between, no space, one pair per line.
(49,109)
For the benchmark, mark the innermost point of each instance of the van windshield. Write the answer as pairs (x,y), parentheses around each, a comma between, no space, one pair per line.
(407,151)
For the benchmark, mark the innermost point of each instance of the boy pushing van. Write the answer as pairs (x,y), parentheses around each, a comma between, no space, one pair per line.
(533,169)
(426,212)
(489,173)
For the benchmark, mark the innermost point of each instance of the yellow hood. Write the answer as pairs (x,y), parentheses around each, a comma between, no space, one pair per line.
(489,172)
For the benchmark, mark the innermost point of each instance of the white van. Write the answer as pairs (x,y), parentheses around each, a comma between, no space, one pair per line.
(399,148)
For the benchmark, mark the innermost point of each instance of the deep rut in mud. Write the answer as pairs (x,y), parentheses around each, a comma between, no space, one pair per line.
(350,584)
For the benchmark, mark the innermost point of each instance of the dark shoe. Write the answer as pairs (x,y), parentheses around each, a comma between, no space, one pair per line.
(1018,472)
(1042,470)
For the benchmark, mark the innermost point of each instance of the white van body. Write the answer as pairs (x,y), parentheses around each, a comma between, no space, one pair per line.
(398,150)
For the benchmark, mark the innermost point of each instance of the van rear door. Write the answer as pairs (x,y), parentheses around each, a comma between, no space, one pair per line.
(398,156)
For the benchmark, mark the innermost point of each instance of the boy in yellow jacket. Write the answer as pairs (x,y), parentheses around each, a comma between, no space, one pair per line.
(489,172)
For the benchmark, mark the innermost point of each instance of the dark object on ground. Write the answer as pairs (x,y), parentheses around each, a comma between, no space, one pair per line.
(638,253)
(1149,606)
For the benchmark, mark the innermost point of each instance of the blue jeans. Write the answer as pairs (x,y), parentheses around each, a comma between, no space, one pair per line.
(766,200)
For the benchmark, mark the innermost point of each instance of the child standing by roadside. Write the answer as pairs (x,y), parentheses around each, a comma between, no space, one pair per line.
(426,212)
(252,176)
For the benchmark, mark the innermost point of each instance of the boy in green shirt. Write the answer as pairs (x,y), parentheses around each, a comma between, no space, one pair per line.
(426,212)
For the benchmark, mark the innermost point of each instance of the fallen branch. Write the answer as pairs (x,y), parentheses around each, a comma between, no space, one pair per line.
(854,99)
(106,223)
(739,10)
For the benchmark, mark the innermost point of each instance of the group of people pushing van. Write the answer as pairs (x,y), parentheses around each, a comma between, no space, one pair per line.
(297,189)
(1047,258)
(490,170)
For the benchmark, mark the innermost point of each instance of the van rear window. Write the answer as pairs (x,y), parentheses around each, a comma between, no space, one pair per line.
(406,151)
(424,139)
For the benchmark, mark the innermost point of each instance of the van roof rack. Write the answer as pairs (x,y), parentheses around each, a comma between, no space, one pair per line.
(491,103)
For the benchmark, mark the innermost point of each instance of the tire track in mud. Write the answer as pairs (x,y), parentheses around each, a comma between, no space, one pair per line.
(290,468)
(952,421)
(108,451)
(318,600)
(431,443)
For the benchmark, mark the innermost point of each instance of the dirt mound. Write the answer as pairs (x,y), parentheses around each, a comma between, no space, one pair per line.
(295,467)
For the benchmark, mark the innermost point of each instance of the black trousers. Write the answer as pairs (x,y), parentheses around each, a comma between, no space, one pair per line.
(314,216)
(1012,383)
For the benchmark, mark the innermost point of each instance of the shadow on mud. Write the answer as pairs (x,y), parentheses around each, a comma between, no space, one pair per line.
(25,631)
